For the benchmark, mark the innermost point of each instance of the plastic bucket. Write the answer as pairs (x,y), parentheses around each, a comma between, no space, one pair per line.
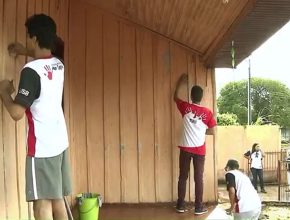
(89,204)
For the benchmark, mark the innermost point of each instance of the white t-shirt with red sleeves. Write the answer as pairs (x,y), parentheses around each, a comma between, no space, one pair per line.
(196,120)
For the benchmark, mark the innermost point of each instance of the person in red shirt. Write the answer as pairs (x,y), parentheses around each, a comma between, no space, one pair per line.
(198,121)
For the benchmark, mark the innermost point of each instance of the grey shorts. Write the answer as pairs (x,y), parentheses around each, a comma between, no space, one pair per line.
(47,178)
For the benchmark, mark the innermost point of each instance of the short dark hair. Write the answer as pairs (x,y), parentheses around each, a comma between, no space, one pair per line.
(43,28)
(232,164)
(196,93)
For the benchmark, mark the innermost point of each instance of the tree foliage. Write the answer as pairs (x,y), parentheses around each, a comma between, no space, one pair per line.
(227,119)
(270,101)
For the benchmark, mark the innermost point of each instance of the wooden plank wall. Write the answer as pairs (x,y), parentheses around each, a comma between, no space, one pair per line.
(124,125)
(13,14)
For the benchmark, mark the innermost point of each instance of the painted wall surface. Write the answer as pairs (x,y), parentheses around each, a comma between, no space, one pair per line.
(123,124)
(234,141)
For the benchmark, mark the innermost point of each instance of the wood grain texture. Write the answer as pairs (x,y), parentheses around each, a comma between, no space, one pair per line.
(9,140)
(78,117)
(95,102)
(163,132)
(128,115)
(3,210)
(21,124)
(123,124)
(111,53)
(145,100)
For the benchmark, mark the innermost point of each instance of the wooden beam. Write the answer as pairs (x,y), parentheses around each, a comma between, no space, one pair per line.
(219,41)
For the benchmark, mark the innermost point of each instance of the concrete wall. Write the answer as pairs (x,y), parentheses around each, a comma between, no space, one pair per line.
(234,141)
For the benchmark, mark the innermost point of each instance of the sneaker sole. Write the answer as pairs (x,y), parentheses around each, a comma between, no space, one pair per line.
(201,213)
(180,211)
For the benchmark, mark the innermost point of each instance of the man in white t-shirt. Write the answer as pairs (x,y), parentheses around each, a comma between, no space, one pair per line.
(244,199)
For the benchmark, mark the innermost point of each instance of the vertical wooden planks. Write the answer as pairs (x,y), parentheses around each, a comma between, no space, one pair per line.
(179,66)
(45,6)
(128,115)
(62,25)
(77,60)
(8,123)
(21,125)
(111,62)
(38,6)
(54,11)
(145,103)
(31,5)
(95,101)
(162,105)
(3,210)
(210,193)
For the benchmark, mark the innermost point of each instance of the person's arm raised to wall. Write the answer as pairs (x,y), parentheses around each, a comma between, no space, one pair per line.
(16,49)
(182,79)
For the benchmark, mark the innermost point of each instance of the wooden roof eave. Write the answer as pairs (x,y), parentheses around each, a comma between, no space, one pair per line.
(220,40)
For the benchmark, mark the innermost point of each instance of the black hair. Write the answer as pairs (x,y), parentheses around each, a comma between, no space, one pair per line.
(232,164)
(58,48)
(254,147)
(196,94)
(43,28)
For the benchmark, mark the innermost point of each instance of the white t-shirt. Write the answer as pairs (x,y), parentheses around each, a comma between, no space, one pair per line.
(247,197)
(256,160)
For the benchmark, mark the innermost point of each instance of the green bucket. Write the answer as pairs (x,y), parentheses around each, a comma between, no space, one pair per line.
(89,204)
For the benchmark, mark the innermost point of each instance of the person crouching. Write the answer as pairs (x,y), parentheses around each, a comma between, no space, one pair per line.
(244,199)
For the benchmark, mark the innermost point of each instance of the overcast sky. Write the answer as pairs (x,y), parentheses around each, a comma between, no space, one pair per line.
(271,61)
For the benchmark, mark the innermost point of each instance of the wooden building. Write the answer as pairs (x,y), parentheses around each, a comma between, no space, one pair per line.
(123,58)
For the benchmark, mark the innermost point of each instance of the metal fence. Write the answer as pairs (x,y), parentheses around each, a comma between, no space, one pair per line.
(284,181)
(276,170)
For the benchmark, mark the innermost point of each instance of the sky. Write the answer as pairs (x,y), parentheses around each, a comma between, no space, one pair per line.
(270,61)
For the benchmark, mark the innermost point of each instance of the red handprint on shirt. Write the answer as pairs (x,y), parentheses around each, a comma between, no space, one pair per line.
(49,72)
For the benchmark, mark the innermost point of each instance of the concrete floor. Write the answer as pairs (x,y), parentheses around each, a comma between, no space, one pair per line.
(147,212)
(167,211)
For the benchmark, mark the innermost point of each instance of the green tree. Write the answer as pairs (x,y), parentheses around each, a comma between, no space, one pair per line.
(227,119)
(270,101)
